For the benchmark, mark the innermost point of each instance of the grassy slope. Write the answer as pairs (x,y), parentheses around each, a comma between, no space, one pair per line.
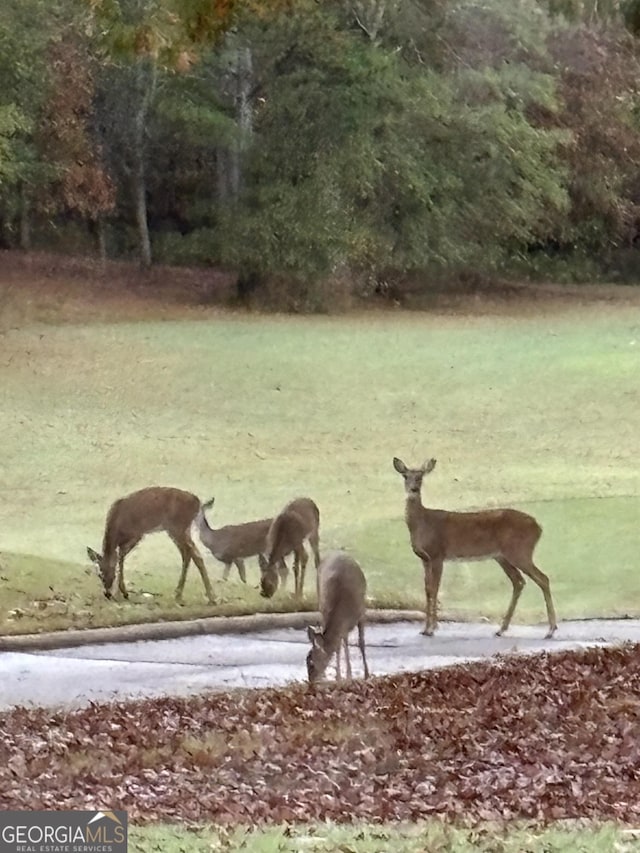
(539,411)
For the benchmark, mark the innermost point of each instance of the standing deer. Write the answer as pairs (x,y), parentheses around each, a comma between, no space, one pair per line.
(234,542)
(342,588)
(299,520)
(506,535)
(147,511)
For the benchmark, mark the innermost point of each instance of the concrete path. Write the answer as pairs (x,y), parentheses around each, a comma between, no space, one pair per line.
(119,671)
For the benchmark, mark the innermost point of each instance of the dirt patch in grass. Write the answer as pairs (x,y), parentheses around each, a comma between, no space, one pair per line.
(52,288)
(49,288)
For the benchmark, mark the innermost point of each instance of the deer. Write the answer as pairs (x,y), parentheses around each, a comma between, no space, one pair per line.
(232,543)
(342,588)
(148,510)
(297,521)
(508,536)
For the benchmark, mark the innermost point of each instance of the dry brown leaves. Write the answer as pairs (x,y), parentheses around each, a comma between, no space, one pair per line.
(541,738)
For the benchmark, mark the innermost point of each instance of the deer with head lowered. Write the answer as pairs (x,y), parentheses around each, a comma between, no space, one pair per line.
(233,542)
(342,588)
(299,520)
(147,511)
(506,535)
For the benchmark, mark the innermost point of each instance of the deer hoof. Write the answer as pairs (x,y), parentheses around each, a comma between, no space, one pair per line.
(428,632)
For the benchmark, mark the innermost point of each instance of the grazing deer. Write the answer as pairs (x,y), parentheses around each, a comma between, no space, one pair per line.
(147,511)
(234,542)
(299,520)
(342,588)
(506,535)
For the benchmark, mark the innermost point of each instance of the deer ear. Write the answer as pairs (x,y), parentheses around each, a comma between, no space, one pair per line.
(399,465)
(428,466)
(314,635)
(95,558)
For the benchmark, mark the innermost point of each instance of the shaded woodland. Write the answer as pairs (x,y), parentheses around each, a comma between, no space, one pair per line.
(318,150)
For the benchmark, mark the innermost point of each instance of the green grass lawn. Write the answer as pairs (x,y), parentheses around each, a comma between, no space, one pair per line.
(435,838)
(539,411)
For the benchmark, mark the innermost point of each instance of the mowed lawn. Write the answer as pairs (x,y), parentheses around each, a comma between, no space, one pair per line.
(538,410)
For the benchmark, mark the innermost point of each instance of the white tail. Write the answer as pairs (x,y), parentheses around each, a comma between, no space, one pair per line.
(146,511)
(342,588)
(505,535)
(234,542)
(299,520)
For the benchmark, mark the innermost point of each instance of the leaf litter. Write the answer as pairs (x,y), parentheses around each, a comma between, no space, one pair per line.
(551,737)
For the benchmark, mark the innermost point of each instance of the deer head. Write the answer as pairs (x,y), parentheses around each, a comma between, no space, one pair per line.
(317,659)
(413,476)
(268,577)
(105,568)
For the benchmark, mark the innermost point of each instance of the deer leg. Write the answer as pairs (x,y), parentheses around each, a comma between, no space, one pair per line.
(296,571)
(304,557)
(338,674)
(194,554)
(426,564)
(518,582)
(347,657)
(188,552)
(186,559)
(361,644)
(314,541)
(436,575)
(283,571)
(122,553)
(529,568)
(241,570)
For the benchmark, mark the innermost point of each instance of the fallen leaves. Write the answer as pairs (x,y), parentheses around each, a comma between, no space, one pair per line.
(541,738)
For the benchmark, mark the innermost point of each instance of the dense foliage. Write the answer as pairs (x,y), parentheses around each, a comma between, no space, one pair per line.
(309,144)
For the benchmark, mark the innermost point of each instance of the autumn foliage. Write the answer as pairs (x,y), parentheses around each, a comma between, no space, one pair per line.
(525,737)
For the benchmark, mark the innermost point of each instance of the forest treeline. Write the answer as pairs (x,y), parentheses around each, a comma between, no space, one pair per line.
(321,146)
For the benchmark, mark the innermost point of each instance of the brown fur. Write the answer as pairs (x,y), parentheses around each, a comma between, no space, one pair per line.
(148,510)
(234,542)
(299,520)
(342,590)
(506,535)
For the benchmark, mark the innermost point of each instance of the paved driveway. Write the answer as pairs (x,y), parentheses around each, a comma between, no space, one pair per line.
(118,671)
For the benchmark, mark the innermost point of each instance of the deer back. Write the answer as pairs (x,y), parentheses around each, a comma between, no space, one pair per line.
(342,590)
(299,519)
(236,540)
(147,510)
(474,535)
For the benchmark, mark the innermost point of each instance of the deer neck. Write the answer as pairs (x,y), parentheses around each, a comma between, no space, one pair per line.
(331,639)
(413,509)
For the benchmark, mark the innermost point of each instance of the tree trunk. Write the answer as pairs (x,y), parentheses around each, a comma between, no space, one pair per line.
(25,219)
(140,206)
(147,77)
(101,239)
(243,74)
(222,173)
